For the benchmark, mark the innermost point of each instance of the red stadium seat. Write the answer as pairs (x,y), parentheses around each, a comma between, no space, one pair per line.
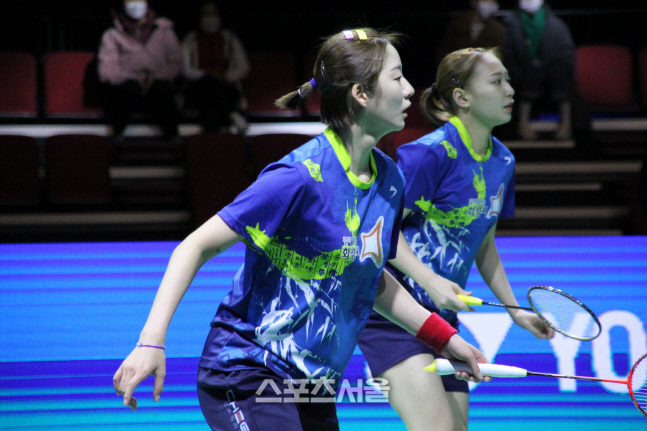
(415,119)
(390,143)
(71,85)
(271,147)
(217,171)
(408,134)
(272,74)
(386,144)
(77,169)
(642,68)
(604,77)
(19,170)
(18,84)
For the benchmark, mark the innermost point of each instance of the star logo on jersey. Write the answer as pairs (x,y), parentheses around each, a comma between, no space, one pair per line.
(372,244)
(496,202)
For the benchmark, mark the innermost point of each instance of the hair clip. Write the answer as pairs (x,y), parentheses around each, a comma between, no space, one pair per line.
(361,34)
(313,82)
(323,73)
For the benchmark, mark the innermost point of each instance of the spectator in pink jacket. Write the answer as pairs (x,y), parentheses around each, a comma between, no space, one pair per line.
(140,59)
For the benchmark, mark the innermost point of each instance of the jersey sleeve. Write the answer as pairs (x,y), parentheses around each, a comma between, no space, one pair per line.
(508,209)
(267,203)
(420,166)
(395,234)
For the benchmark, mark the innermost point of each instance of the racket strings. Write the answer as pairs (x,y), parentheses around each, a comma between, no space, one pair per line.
(639,384)
(565,314)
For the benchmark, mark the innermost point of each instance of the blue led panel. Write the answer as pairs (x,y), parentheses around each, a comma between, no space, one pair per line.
(69,313)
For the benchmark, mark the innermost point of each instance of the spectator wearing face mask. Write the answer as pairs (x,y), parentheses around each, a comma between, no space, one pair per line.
(539,53)
(476,27)
(215,64)
(139,60)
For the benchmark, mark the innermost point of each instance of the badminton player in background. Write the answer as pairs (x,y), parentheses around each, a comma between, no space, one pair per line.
(319,226)
(459,181)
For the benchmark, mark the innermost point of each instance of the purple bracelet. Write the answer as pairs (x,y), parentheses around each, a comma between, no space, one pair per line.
(150,345)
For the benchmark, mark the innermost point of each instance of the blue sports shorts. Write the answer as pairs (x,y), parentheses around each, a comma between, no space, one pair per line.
(385,344)
(255,399)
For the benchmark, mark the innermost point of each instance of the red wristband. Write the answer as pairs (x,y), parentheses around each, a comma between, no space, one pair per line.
(436,332)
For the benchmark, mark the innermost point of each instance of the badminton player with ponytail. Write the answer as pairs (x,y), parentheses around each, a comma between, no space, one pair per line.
(459,181)
(319,226)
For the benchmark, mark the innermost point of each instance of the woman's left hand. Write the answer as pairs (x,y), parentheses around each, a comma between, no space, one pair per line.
(532,323)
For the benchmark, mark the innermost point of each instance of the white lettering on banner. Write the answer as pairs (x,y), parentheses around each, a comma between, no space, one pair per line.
(602,357)
(490,329)
(566,349)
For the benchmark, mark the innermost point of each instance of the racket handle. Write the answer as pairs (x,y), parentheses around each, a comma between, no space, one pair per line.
(470,300)
(445,367)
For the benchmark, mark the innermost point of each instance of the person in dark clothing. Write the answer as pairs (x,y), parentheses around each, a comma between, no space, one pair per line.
(215,64)
(539,53)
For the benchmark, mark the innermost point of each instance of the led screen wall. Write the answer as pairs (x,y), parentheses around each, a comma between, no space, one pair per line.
(69,313)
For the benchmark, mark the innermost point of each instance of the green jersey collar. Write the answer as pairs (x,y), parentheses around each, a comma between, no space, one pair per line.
(344,158)
(467,140)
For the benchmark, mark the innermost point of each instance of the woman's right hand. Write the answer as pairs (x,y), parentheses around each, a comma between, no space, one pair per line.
(443,293)
(141,363)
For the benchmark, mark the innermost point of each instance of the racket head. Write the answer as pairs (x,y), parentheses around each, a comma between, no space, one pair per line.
(638,384)
(564,313)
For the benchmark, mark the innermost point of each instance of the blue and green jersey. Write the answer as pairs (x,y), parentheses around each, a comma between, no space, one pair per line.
(456,196)
(317,240)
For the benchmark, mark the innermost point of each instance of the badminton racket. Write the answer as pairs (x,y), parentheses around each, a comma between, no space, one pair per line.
(559,310)
(635,381)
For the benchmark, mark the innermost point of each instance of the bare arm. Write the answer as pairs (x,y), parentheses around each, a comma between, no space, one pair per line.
(488,262)
(441,290)
(210,239)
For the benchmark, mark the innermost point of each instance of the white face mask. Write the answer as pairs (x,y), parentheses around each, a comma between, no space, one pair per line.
(486,9)
(530,6)
(136,9)
(210,24)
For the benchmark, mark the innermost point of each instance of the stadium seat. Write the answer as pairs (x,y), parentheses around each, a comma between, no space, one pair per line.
(390,142)
(77,169)
(386,144)
(18,84)
(217,171)
(271,147)
(71,85)
(415,119)
(19,170)
(604,77)
(642,68)
(272,74)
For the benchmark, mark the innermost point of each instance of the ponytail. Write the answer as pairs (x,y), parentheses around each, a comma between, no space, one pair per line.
(296,98)
(434,109)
